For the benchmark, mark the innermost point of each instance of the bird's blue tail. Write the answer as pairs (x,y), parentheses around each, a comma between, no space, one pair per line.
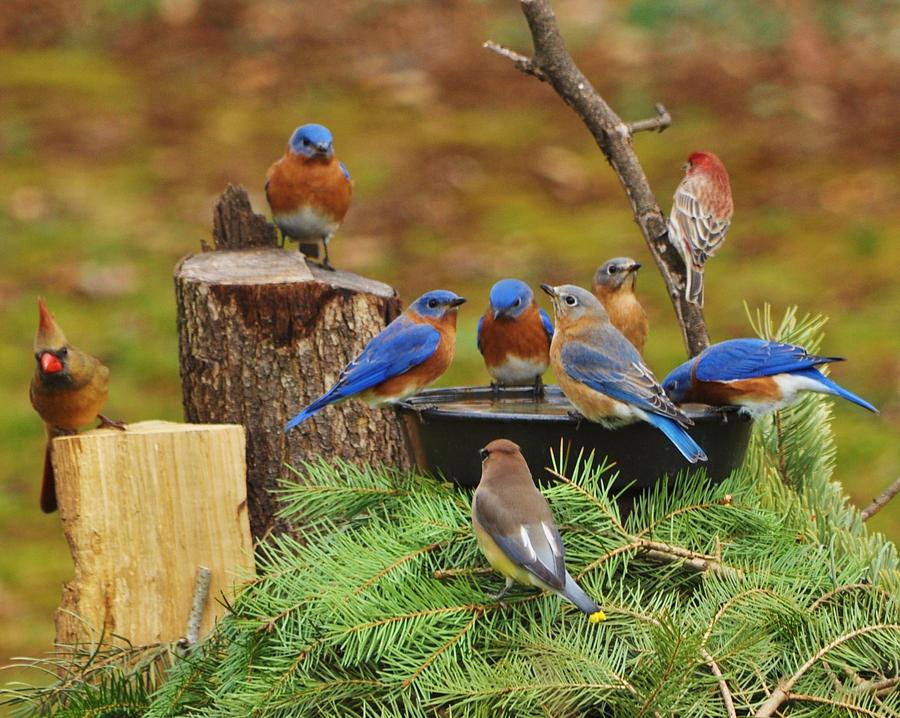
(572,592)
(689,448)
(330,397)
(830,387)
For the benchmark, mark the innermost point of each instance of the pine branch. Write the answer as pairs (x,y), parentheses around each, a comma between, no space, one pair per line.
(783,691)
(879,501)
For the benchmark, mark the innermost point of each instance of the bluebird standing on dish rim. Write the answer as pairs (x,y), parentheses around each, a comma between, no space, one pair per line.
(603,375)
(701,215)
(309,190)
(614,283)
(514,336)
(757,375)
(405,357)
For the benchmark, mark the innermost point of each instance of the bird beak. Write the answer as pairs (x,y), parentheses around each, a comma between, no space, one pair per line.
(549,290)
(50,364)
(456,302)
(634,267)
(324,149)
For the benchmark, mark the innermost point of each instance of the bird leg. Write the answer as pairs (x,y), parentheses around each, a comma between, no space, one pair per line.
(495,390)
(280,236)
(503,592)
(578,418)
(326,264)
(538,387)
(107,423)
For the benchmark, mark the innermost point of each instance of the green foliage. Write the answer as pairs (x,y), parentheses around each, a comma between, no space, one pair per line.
(768,580)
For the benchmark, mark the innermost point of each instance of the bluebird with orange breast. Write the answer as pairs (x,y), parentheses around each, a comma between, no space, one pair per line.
(758,375)
(309,190)
(603,375)
(701,214)
(406,356)
(614,283)
(514,335)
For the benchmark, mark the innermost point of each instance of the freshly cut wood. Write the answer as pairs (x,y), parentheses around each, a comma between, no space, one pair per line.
(141,510)
(261,334)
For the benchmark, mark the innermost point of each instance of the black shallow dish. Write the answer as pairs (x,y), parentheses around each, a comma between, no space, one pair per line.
(447,427)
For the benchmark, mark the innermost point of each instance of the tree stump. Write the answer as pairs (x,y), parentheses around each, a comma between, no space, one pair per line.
(261,334)
(142,509)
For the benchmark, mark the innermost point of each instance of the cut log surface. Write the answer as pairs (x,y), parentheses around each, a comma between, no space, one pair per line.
(141,510)
(262,334)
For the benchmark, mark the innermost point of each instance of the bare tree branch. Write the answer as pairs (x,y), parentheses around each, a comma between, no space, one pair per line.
(522,63)
(552,62)
(879,501)
(657,124)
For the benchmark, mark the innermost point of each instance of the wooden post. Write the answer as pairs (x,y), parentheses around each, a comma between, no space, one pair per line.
(261,334)
(141,510)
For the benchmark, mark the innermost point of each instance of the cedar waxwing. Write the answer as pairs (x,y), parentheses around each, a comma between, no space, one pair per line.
(516,531)
(68,390)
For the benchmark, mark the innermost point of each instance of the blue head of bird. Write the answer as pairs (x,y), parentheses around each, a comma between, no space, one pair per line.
(573,303)
(436,304)
(509,298)
(678,382)
(615,273)
(311,141)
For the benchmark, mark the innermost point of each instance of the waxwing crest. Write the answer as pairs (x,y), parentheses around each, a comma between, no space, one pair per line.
(49,335)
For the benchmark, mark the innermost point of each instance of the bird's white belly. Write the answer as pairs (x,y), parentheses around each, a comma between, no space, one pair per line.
(517,371)
(792,385)
(306,223)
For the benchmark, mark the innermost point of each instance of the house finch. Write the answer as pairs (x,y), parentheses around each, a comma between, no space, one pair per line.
(701,214)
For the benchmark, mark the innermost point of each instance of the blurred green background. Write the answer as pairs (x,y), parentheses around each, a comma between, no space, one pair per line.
(122,120)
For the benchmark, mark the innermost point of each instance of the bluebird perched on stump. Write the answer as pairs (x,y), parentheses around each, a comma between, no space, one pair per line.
(309,190)
(758,375)
(514,335)
(516,531)
(603,375)
(406,356)
(614,283)
(700,217)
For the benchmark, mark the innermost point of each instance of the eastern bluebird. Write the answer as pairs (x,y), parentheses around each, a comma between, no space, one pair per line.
(755,374)
(309,189)
(406,356)
(614,283)
(701,214)
(516,531)
(514,335)
(603,375)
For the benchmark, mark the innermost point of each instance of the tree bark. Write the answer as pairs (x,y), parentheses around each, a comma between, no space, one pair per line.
(261,334)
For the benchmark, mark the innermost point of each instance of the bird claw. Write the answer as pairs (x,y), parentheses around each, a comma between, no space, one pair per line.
(107,423)
(538,388)
(578,418)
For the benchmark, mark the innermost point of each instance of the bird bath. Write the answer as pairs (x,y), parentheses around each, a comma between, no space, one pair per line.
(447,427)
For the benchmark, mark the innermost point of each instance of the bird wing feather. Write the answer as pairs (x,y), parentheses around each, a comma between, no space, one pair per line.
(750,358)
(536,547)
(548,325)
(619,373)
(695,223)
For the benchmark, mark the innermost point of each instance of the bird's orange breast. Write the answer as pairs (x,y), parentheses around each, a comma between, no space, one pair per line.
(625,313)
(73,406)
(295,182)
(733,393)
(523,338)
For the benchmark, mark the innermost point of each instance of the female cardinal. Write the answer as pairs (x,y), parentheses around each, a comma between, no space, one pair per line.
(68,390)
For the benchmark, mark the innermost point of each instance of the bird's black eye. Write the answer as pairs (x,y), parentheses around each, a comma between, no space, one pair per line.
(305,142)
(570,300)
(432,303)
(483,453)
(612,269)
(518,302)
(62,352)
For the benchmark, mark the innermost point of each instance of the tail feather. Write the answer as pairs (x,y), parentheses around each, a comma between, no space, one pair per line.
(330,397)
(693,286)
(572,592)
(831,387)
(689,448)
(48,483)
